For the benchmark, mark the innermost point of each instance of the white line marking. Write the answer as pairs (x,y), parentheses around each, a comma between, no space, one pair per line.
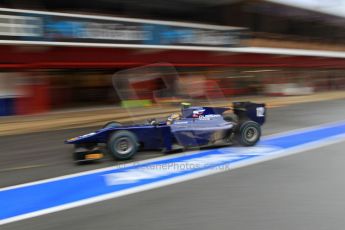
(23,167)
(259,50)
(306,129)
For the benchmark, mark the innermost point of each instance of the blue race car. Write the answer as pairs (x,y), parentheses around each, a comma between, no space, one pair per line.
(193,127)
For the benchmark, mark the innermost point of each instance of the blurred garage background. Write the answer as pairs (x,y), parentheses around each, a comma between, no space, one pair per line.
(57,55)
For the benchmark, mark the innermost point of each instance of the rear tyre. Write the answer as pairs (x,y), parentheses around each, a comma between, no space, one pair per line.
(122,145)
(112,124)
(249,133)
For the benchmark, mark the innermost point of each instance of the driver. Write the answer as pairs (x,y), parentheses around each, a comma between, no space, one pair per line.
(173,117)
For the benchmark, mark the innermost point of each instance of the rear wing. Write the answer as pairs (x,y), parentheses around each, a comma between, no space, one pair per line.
(248,110)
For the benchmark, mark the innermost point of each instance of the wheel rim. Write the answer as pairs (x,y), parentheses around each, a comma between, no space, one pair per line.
(123,146)
(251,134)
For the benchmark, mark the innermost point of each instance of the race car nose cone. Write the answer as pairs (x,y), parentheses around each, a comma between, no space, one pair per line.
(71,140)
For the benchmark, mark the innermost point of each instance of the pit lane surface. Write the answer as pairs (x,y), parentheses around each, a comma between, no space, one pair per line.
(262,192)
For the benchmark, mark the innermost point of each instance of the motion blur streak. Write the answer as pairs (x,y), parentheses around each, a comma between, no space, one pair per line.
(69,67)
(21,202)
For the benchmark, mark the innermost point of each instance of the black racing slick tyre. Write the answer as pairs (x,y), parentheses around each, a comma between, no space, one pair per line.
(249,133)
(122,145)
(112,124)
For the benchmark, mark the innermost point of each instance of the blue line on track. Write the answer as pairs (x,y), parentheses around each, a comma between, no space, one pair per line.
(32,198)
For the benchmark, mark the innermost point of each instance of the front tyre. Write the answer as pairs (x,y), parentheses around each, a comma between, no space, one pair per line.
(249,133)
(122,145)
(112,124)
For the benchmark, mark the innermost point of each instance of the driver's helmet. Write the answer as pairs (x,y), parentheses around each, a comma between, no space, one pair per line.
(173,117)
(185,105)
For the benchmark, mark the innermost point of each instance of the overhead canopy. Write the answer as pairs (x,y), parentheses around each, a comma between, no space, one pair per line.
(54,57)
